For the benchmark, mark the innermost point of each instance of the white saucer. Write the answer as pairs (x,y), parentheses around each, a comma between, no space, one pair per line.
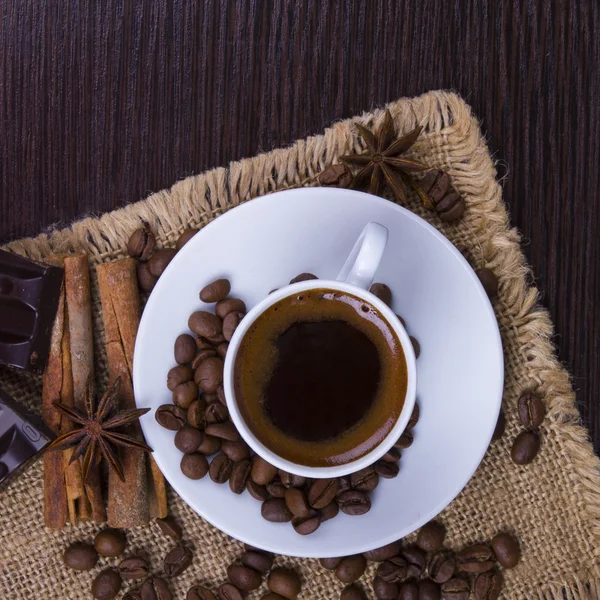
(262,245)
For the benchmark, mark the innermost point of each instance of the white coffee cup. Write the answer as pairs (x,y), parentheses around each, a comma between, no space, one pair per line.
(355,278)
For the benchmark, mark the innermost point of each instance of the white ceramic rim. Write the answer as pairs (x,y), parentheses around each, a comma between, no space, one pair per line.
(270,456)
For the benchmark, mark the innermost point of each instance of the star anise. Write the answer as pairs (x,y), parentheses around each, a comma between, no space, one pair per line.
(95,432)
(382,161)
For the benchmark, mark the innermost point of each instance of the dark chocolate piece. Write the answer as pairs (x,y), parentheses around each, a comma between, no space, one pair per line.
(29,294)
(22,435)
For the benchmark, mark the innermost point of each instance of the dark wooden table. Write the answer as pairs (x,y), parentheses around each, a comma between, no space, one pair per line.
(103,102)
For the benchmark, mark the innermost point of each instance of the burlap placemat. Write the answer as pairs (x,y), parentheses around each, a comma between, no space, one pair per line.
(553,505)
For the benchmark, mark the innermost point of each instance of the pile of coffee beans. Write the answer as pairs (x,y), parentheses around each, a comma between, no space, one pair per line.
(426,570)
(199,415)
(111,543)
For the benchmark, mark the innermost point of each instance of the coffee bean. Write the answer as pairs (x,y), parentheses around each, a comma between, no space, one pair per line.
(210,445)
(303,277)
(284,582)
(224,307)
(354,503)
(525,447)
(177,375)
(344,484)
(506,550)
(272,596)
(442,566)
(110,542)
(291,480)
(188,439)
(185,393)
(199,592)
(141,244)
(222,349)
(258,492)
(215,291)
(134,594)
(353,592)
(195,413)
(456,589)
(296,502)
(275,510)
(383,553)
(228,591)
(500,426)
(429,590)
(431,536)
(531,410)
(387,470)
(201,357)
(244,578)
(185,349)
(487,586)
(170,416)
(209,374)
(416,346)
(205,324)
(307,524)
(220,468)
(185,237)
(408,590)
(221,396)
(383,292)
(236,451)
(194,466)
(404,441)
(351,568)
(477,558)
(329,512)
(155,588)
(146,280)
(223,431)
(177,561)
(230,324)
(80,556)
(385,590)
(414,417)
(322,492)
(392,455)
(169,526)
(262,471)
(489,281)
(160,260)
(259,561)
(216,413)
(203,344)
(276,489)
(106,585)
(393,569)
(365,480)
(134,567)
(415,559)
(239,476)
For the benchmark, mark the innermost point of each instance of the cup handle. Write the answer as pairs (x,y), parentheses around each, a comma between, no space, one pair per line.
(361,265)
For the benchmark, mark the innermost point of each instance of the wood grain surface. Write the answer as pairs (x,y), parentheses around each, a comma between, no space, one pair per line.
(105,101)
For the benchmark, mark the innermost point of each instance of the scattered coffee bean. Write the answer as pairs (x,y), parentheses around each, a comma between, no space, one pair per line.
(230,324)
(307,524)
(106,585)
(344,484)
(185,393)
(330,563)
(487,586)
(80,556)
(185,349)
(383,553)
(146,280)
(134,594)
(416,346)
(329,512)
(385,590)
(177,561)
(414,417)
(291,480)
(199,592)
(228,591)
(134,567)
(383,292)
(244,578)
(525,447)
(209,374)
(188,439)
(353,592)
(429,590)
(258,492)
(201,357)
(489,281)
(393,569)
(205,324)
(155,588)
(169,526)
(392,455)
(404,441)
(531,410)
(210,445)
(224,307)
(220,468)
(303,277)
(387,470)
(262,471)
(170,417)
(415,559)
(500,426)
(141,244)
(296,502)
(431,536)
(239,476)
(506,550)
(203,344)
(195,413)
(354,503)
(456,589)
(110,542)
(275,510)
(194,466)
(351,568)
(215,291)
(185,237)
(284,582)
(408,590)
(223,431)
(276,489)
(222,349)
(477,558)
(216,413)
(442,566)
(177,375)
(323,491)
(365,480)
(160,260)
(236,451)
(272,596)
(259,561)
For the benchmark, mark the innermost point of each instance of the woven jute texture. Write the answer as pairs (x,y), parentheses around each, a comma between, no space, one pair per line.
(552,506)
